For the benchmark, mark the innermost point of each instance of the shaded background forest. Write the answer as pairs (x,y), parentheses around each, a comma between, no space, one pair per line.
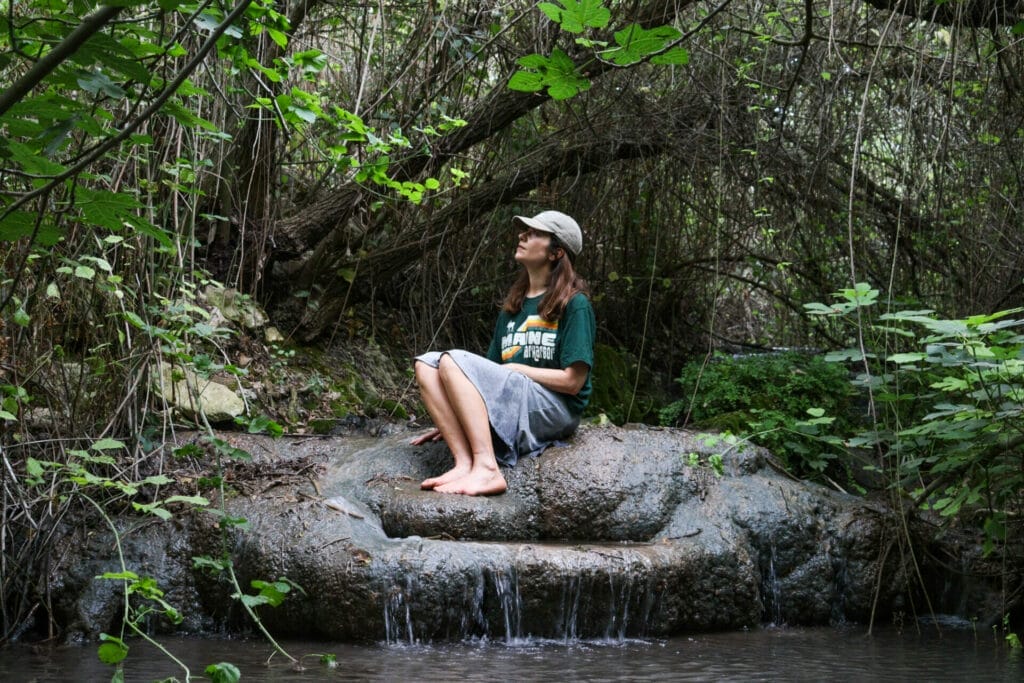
(353,167)
(803,147)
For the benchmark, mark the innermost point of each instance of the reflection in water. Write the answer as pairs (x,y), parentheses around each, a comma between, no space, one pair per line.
(791,654)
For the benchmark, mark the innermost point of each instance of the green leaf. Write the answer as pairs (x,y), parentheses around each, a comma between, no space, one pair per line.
(191,500)
(156,480)
(33,468)
(635,43)
(107,445)
(155,508)
(845,355)
(526,81)
(84,272)
(676,55)
(31,161)
(573,16)
(99,83)
(206,562)
(112,652)
(110,210)
(905,357)
(223,672)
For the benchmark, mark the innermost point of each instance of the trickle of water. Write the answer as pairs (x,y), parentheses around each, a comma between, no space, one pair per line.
(569,611)
(616,623)
(506,585)
(771,590)
(838,607)
(397,615)
(474,620)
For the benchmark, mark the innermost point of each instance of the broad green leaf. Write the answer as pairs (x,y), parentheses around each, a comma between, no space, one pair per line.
(251,600)
(101,263)
(819,309)
(844,355)
(110,210)
(155,232)
(31,161)
(188,119)
(97,83)
(676,55)
(191,500)
(112,652)
(33,468)
(575,15)
(155,508)
(905,357)
(223,672)
(635,43)
(84,272)
(107,445)
(526,81)
(207,562)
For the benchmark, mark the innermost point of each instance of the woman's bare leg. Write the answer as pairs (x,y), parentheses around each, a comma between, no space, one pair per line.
(484,476)
(435,398)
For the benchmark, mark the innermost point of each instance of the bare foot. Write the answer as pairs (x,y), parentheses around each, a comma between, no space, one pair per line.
(451,475)
(479,482)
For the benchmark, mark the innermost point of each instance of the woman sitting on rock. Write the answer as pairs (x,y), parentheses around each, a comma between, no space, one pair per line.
(535,381)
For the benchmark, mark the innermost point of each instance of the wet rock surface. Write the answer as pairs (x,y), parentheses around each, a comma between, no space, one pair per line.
(616,534)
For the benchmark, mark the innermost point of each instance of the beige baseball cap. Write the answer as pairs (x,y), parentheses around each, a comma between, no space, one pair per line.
(558,224)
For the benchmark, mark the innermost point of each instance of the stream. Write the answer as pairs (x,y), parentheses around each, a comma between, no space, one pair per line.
(769,653)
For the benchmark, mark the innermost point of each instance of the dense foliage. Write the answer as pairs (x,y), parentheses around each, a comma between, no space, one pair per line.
(777,400)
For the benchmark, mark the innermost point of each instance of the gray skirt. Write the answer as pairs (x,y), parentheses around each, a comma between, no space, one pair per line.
(525,417)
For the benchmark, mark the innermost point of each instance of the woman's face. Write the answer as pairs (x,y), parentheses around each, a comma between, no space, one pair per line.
(533,247)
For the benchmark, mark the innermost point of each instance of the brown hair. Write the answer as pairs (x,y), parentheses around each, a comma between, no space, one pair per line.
(563,285)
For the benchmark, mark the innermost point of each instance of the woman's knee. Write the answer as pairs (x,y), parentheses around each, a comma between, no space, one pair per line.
(448,369)
(426,374)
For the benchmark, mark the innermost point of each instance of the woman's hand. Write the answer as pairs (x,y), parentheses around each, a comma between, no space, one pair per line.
(432,435)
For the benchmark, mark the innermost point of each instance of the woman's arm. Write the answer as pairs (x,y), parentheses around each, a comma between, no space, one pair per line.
(565,381)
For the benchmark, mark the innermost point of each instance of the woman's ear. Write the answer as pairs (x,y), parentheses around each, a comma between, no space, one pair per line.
(557,254)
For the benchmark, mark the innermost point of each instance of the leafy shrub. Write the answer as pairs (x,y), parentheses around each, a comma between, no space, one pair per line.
(949,397)
(777,400)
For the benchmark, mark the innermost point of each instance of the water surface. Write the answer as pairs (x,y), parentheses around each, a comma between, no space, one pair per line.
(790,654)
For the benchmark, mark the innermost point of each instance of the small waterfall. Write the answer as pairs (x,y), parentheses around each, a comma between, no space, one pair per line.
(569,610)
(771,590)
(506,586)
(616,625)
(613,603)
(631,604)
(397,615)
(839,587)
(473,619)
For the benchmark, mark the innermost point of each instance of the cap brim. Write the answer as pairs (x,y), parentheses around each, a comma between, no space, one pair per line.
(531,223)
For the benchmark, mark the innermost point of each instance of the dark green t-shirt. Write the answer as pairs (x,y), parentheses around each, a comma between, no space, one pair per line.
(529,339)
